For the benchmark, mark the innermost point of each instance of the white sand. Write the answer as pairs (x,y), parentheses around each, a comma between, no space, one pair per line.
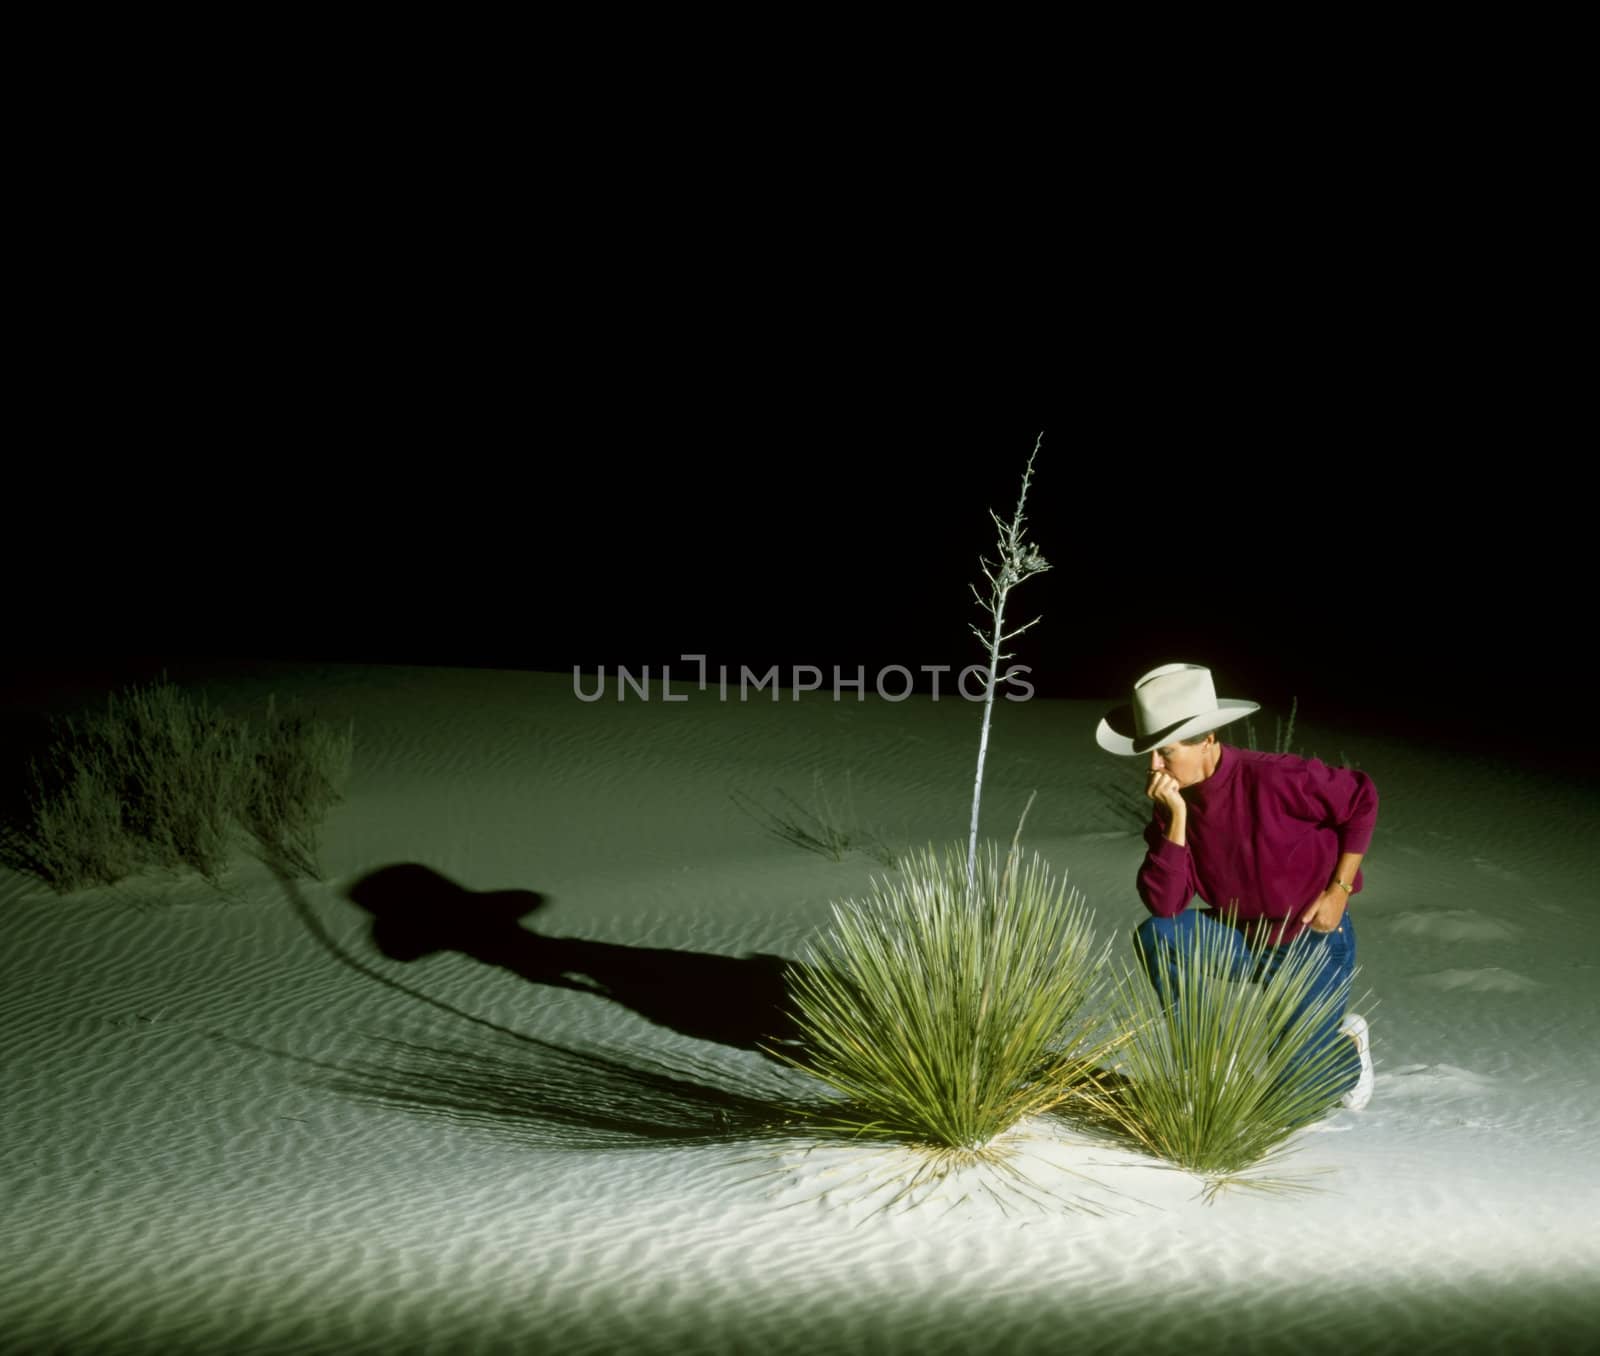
(232,1124)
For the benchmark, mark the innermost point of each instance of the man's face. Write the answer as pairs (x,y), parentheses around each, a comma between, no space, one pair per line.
(1184,763)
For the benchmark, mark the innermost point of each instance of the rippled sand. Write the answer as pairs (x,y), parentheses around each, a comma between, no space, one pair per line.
(259,1121)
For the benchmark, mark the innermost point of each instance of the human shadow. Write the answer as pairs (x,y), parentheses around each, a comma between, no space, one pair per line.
(542,1092)
(740,1001)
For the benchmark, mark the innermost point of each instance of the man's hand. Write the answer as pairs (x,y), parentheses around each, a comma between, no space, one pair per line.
(1325,910)
(1163,786)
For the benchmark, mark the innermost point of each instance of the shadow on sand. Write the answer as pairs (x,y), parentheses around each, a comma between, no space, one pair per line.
(541,1092)
(545,1093)
(742,1001)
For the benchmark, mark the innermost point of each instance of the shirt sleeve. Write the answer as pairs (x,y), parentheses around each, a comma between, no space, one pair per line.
(1335,797)
(1166,879)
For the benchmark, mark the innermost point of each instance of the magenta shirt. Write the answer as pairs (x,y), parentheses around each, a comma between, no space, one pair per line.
(1265,829)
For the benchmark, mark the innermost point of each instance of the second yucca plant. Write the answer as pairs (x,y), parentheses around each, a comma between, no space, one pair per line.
(1222,1071)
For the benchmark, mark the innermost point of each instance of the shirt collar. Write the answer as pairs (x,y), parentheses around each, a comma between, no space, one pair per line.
(1214,785)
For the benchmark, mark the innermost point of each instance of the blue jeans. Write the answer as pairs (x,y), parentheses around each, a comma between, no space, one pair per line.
(1161,940)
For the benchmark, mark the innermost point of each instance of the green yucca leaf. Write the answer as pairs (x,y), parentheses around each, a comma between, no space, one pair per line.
(945,1017)
(1220,1078)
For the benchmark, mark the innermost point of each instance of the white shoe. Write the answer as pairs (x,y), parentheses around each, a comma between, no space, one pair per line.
(1361,1094)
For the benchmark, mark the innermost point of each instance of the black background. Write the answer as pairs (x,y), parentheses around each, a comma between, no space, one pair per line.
(1349,486)
(1400,593)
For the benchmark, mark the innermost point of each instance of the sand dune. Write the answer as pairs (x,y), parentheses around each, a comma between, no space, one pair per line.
(275,1120)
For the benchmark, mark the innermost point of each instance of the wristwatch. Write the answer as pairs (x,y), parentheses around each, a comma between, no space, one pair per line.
(1348,889)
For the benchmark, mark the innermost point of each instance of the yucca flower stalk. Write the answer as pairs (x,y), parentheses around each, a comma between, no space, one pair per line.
(1219,1077)
(945,1017)
(1018,560)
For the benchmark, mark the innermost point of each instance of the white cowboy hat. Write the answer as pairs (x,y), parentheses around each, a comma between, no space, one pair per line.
(1172,702)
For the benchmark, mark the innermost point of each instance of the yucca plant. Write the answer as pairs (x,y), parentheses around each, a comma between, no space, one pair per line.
(1220,1072)
(1282,740)
(824,828)
(952,1003)
(945,1017)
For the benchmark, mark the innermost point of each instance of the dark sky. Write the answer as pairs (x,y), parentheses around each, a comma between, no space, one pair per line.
(1384,535)
(1324,447)
(1395,590)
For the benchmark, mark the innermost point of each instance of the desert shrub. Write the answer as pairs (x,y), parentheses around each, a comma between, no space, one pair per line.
(1217,1079)
(295,774)
(160,780)
(824,827)
(174,764)
(944,1016)
(76,838)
